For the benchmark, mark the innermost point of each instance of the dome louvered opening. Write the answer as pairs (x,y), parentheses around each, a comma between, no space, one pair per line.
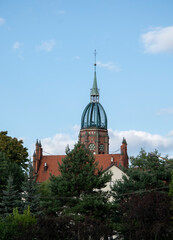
(94,116)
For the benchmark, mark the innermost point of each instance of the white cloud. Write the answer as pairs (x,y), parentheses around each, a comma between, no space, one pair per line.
(165,111)
(2,21)
(76,129)
(158,40)
(140,139)
(109,66)
(17,45)
(47,45)
(170,134)
(57,144)
(135,140)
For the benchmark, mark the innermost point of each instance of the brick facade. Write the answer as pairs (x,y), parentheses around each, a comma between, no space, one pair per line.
(97,140)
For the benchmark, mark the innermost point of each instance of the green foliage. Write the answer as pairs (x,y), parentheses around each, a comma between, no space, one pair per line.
(171,186)
(26,218)
(10,198)
(10,168)
(147,172)
(78,190)
(3,172)
(17,174)
(44,188)
(13,160)
(13,149)
(141,199)
(30,194)
(16,225)
(45,197)
(55,228)
(146,216)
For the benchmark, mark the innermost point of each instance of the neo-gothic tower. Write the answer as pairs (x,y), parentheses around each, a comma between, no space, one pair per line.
(94,133)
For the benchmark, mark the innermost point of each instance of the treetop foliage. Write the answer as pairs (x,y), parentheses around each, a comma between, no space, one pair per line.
(78,189)
(7,168)
(10,198)
(13,149)
(30,193)
(146,173)
(142,201)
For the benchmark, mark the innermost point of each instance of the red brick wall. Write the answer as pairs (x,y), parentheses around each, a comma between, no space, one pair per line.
(98,137)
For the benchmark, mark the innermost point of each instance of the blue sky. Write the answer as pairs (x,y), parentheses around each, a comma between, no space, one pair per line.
(46,59)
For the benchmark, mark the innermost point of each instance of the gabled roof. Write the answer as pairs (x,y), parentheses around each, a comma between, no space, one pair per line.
(105,161)
(52,167)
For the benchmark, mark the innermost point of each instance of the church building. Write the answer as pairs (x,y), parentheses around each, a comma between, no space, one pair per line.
(93,134)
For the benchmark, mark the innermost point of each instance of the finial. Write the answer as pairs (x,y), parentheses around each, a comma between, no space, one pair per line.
(34,154)
(39,143)
(95,53)
(124,141)
(94,95)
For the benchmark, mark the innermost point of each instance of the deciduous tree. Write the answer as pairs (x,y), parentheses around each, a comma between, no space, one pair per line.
(13,149)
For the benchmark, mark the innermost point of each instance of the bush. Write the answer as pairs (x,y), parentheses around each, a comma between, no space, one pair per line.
(15,226)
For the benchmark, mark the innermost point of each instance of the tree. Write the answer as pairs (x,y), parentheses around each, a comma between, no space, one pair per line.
(45,197)
(171,186)
(77,192)
(10,198)
(3,172)
(10,168)
(142,195)
(147,216)
(17,226)
(30,193)
(147,172)
(13,149)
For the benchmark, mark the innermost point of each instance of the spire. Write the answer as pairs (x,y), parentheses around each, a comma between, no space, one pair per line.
(36,143)
(94,91)
(124,141)
(34,154)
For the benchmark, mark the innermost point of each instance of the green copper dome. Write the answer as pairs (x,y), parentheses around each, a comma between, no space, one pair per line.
(94,116)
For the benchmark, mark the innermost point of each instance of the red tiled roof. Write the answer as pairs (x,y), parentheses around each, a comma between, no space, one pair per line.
(52,164)
(104,160)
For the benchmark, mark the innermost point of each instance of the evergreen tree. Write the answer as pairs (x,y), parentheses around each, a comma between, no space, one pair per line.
(147,172)
(7,168)
(10,198)
(30,193)
(3,172)
(45,197)
(78,191)
(171,186)
(142,197)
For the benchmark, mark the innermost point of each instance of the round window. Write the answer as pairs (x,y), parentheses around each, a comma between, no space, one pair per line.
(91,146)
(101,147)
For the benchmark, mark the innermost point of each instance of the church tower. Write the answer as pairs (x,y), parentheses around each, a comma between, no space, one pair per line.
(94,133)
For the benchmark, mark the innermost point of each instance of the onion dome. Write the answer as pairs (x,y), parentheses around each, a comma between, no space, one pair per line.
(94,114)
